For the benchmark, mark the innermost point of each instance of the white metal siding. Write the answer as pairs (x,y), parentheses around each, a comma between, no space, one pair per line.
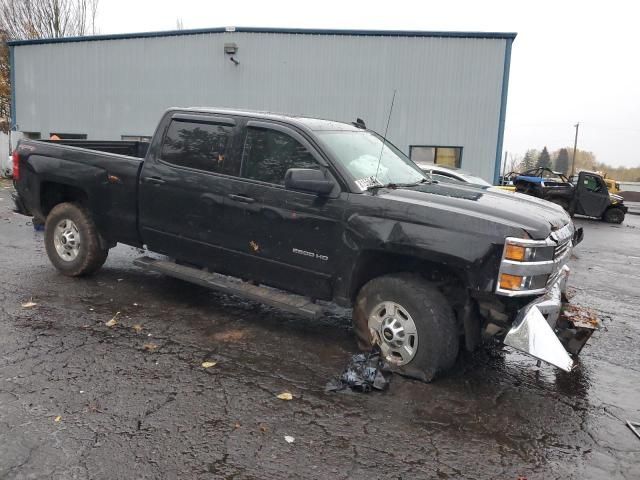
(448,89)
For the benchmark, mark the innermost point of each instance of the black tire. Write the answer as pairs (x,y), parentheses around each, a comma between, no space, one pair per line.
(613,215)
(437,334)
(90,255)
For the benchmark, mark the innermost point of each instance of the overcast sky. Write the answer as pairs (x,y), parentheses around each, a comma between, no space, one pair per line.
(572,60)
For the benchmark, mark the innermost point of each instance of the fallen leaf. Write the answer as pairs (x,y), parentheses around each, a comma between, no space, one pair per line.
(29,304)
(57,419)
(285,396)
(208,364)
(237,425)
(263,428)
(137,328)
(289,439)
(150,347)
(113,321)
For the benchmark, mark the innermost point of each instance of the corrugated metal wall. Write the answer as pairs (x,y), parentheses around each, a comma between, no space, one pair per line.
(448,89)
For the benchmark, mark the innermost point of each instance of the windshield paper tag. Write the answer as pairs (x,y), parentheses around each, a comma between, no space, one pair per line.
(368,182)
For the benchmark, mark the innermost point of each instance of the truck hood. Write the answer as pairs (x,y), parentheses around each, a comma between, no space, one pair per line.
(510,209)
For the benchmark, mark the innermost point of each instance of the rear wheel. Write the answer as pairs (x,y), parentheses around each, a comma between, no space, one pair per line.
(72,240)
(613,215)
(412,323)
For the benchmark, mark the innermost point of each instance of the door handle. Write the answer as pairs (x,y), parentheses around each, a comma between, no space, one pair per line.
(241,198)
(154,180)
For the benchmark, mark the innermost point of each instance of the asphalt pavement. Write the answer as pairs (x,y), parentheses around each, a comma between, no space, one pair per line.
(82,399)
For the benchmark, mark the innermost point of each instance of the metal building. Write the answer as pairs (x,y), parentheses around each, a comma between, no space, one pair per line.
(451,87)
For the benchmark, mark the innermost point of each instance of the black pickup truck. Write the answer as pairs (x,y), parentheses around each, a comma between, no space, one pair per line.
(294,211)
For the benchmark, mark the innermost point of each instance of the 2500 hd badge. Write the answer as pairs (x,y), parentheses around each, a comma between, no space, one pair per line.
(317,256)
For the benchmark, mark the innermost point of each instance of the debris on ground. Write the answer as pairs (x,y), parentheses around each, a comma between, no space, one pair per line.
(635,427)
(289,439)
(575,326)
(208,364)
(137,327)
(29,304)
(114,320)
(57,419)
(150,347)
(365,372)
(285,396)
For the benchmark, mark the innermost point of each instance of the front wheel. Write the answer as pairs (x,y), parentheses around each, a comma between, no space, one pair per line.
(613,215)
(72,240)
(411,321)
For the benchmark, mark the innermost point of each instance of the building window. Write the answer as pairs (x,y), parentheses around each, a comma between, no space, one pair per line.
(445,156)
(31,135)
(135,138)
(70,136)
(202,146)
(268,154)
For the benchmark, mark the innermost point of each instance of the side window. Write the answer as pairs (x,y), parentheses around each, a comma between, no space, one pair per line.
(198,145)
(268,154)
(591,183)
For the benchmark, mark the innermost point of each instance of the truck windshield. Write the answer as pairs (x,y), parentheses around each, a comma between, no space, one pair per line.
(359,152)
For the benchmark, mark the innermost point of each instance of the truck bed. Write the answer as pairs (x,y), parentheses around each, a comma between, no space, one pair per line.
(108,181)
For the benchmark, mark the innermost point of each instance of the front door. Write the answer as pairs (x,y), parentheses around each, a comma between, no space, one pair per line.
(183,188)
(592,196)
(284,238)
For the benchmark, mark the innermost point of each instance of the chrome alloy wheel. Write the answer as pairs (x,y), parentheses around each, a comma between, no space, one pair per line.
(395,332)
(66,240)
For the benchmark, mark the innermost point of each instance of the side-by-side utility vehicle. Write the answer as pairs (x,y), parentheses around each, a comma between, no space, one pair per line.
(588,195)
(288,211)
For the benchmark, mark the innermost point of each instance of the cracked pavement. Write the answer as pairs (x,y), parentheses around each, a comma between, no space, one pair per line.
(136,403)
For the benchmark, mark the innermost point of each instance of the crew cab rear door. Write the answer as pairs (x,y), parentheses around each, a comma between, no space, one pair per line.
(183,187)
(592,196)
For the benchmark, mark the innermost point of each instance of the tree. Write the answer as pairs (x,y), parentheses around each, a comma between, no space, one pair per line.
(530,160)
(544,159)
(562,161)
(5,83)
(32,19)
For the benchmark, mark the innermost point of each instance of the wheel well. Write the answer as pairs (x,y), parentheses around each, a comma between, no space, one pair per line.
(51,194)
(372,264)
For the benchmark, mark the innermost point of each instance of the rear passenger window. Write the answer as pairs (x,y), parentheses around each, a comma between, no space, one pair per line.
(203,146)
(268,154)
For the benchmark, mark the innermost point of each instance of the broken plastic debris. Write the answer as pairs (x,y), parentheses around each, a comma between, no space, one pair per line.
(634,426)
(365,372)
(285,396)
(289,439)
(57,419)
(208,364)
(29,304)
(113,321)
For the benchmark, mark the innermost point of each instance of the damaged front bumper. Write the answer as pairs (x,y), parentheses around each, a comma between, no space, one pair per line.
(536,330)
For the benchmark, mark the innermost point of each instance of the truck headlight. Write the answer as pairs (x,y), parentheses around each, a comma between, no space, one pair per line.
(528,265)
(520,253)
(514,252)
(519,283)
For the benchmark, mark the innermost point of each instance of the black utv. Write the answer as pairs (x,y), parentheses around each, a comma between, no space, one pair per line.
(589,196)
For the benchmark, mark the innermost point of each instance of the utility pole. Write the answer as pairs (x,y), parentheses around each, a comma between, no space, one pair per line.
(504,168)
(575,147)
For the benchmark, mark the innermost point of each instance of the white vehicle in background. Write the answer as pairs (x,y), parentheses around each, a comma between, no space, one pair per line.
(451,175)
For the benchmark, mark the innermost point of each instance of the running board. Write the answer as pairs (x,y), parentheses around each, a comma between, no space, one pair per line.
(269,296)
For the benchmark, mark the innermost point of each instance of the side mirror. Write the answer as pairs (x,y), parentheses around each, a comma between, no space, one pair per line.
(308,180)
